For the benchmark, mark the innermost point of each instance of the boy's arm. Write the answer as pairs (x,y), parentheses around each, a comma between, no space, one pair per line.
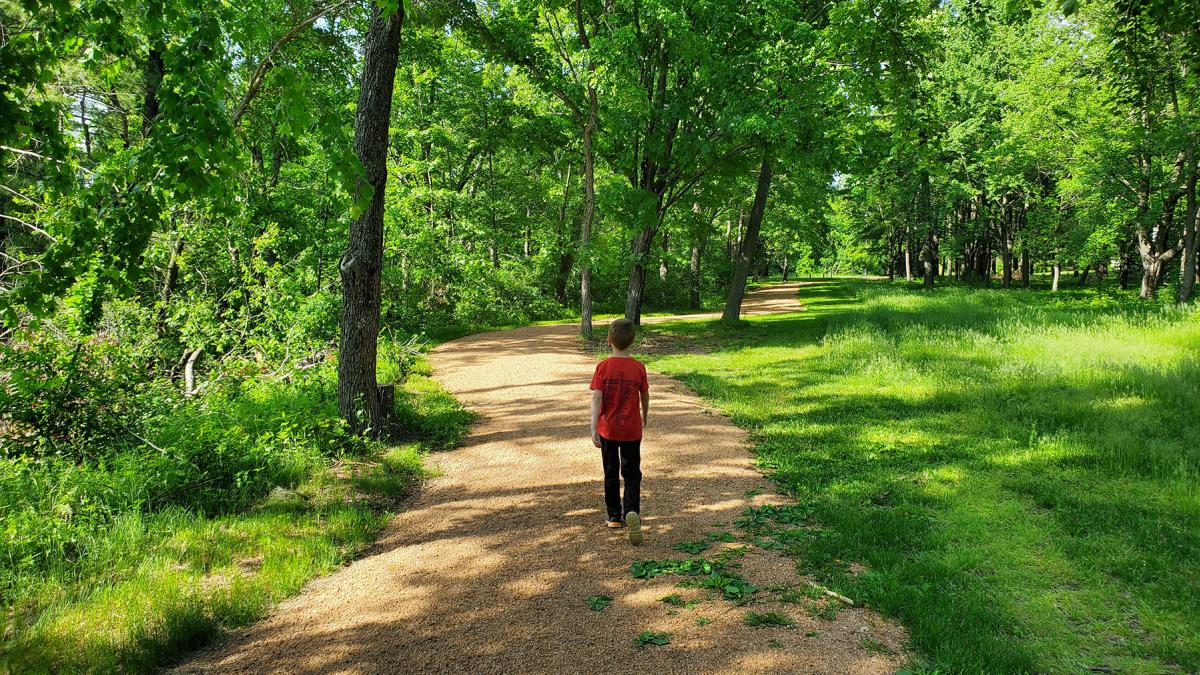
(597,402)
(645,407)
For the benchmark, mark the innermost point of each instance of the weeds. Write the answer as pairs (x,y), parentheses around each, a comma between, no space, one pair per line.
(650,638)
(768,619)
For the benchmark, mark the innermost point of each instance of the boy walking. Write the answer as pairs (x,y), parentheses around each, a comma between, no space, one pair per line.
(619,386)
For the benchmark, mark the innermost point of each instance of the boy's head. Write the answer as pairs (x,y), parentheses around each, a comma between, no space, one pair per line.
(620,334)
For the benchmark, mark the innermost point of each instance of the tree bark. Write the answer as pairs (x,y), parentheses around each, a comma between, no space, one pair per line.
(747,250)
(694,271)
(169,281)
(589,211)
(1057,273)
(589,183)
(925,213)
(359,400)
(1187,271)
(155,68)
(907,254)
(637,275)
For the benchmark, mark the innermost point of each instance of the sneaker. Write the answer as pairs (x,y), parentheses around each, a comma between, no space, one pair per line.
(634,521)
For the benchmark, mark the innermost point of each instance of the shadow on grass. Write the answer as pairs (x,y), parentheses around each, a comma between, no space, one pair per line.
(1016,515)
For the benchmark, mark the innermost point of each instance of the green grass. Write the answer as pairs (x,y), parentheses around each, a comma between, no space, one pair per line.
(769,619)
(153,585)
(1017,470)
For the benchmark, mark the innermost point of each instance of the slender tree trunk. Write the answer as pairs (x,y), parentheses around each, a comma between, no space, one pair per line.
(154,78)
(664,267)
(907,254)
(925,213)
(1026,267)
(565,243)
(155,68)
(694,271)
(746,252)
(1187,271)
(361,402)
(1057,273)
(114,102)
(589,211)
(83,122)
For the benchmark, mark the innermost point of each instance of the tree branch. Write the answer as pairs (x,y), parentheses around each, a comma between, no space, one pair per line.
(264,66)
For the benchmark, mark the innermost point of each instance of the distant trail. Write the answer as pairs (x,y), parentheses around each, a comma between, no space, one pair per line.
(488,570)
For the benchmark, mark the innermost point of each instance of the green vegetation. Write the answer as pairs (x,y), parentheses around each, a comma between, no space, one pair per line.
(126,560)
(599,602)
(1017,470)
(204,205)
(692,547)
(646,638)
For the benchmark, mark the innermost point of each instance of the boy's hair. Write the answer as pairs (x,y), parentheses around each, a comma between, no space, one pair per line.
(620,333)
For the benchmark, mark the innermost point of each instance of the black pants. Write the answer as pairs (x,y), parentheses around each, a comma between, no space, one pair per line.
(622,459)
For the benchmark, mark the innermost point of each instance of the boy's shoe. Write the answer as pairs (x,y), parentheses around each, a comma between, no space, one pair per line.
(615,524)
(634,521)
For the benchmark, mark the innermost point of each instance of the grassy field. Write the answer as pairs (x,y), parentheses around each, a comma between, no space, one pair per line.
(143,587)
(1016,471)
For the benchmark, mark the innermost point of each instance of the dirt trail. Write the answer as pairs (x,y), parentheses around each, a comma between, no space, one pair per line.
(488,571)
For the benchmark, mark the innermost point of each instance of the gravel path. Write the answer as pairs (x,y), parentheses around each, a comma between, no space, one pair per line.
(488,571)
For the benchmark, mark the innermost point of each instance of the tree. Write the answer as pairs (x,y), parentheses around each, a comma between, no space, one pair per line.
(361,402)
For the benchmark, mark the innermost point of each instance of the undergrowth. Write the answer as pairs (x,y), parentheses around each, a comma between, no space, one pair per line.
(197,520)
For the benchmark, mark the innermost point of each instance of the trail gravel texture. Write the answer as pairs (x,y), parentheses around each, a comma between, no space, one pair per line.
(488,571)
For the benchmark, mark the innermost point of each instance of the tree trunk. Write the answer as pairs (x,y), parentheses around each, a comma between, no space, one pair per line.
(664,267)
(925,214)
(746,252)
(154,78)
(1187,270)
(1057,273)
(1026,267)
(637,275)
(694,271)
(907,254)
(114,102)
(929,255)
(168,287)
(359,400)
(589,211)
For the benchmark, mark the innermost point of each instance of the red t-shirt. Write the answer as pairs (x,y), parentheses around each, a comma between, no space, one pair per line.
(622,379)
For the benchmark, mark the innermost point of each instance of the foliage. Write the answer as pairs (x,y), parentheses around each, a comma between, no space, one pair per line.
(1018,462)
(141,531)
(650,638)
(768,619)
(599,602)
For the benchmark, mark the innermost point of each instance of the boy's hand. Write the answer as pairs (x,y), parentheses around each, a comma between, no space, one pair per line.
(596,439)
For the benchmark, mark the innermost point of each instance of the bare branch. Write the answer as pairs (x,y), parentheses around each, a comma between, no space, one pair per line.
(268,62)
(31,226)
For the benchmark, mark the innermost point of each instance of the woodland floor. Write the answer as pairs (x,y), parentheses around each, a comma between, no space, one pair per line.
(490,569)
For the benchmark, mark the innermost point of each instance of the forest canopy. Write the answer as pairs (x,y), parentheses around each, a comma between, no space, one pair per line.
(185,175)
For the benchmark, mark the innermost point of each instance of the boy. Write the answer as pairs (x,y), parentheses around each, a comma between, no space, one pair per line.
(617,387)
